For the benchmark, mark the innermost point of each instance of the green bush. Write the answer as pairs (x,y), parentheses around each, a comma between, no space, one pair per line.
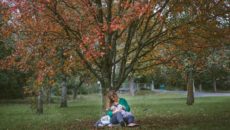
(11,85)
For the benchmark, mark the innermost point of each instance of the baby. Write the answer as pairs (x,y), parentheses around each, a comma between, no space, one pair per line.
(119,108)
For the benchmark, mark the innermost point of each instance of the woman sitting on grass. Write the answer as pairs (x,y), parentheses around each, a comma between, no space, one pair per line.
(119,110)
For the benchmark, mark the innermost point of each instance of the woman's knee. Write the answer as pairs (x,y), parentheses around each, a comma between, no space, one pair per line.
(130,119)
(117,118)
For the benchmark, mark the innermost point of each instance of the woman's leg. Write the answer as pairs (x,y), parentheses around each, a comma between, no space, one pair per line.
(129,119)
(117,118)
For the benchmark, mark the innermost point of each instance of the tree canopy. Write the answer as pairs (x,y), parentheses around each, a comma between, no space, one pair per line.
(110,38)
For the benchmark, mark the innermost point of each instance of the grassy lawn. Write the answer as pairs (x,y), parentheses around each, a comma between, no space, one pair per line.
(152,111)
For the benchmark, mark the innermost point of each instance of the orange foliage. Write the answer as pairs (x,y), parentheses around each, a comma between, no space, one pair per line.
(58,36)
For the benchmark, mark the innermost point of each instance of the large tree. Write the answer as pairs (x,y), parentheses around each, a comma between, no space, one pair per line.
(110,36)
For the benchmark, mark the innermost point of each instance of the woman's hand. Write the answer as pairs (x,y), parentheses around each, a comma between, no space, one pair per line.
(116,110)
(123,107)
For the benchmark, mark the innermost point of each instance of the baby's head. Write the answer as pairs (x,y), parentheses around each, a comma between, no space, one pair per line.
(116,107)
(119,106)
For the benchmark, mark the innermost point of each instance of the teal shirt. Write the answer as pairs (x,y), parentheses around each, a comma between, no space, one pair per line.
(124,103)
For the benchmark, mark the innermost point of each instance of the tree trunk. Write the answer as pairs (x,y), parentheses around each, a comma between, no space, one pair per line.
(152,86)
(200,87)
(105,99)
(131,86)
(64,94)
(190,92)
(193,85)
(75,89)
(40,102)
(137,87)
(49,95)
(75,92)
(214,84)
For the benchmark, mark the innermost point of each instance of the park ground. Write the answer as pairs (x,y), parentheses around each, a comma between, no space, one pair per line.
(153,111)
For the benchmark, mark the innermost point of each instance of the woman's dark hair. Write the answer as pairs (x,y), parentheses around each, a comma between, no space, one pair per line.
(111,95)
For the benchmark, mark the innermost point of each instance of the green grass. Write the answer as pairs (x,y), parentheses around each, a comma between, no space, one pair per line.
(152,111)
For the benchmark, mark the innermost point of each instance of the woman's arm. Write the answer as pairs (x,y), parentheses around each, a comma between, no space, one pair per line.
(125,104)
(109,112)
